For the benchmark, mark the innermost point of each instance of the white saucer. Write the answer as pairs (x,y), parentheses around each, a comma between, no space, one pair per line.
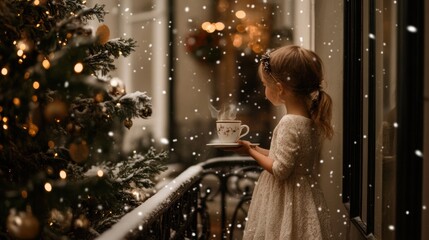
(227,145)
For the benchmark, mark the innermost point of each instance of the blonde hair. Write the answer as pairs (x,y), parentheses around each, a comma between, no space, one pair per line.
(301,70)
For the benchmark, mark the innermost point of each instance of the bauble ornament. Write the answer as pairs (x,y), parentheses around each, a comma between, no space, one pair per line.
(56,111)
(79,151)
(103,34)
(128,123)
(22,225)
(116,87)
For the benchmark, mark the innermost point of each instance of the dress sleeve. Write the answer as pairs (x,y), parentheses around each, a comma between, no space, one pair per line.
(286,150)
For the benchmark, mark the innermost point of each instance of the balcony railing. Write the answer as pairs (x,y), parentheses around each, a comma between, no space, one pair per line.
(206,201)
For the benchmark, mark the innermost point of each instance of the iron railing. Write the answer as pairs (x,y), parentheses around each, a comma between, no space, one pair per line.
(206,201)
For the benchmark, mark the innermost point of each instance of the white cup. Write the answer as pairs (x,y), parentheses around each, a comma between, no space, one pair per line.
(229,131)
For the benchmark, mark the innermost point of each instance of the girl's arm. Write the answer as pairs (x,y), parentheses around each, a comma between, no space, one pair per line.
(257,153)
(263,151)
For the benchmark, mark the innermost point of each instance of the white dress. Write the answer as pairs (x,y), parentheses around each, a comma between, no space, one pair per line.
(289,204)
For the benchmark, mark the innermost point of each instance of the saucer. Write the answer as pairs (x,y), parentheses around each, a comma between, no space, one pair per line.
(227,145)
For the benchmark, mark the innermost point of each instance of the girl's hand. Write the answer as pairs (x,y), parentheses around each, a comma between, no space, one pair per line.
(243,149)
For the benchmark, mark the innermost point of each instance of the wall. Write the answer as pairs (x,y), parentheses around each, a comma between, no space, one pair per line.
(193,86)
(329,46)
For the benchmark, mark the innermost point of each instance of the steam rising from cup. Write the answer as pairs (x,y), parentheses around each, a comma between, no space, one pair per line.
(225,113)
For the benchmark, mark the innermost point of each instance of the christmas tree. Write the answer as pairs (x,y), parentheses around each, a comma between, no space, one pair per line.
(62,173)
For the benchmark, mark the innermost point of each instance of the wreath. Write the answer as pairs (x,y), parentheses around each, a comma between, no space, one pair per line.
(204,46)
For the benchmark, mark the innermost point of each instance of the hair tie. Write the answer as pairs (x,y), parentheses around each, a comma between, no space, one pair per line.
(265,60)
(315,97)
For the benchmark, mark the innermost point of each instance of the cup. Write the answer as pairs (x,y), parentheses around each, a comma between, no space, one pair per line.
(229,131)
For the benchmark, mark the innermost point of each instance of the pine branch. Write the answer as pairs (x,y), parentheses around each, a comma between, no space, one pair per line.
(87,110)
(138,169)
(102,56)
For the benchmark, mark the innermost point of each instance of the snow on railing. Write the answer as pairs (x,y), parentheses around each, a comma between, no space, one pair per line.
(188,207)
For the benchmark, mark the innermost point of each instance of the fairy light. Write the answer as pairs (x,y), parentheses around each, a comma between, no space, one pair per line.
(4,71)
(240,14)
(22,46)
(16,101)
(20,52)
(36,85)
(100,173)
(212,27)
(4,122)
(204,25)
(63,174)
(46,64)
(78,68)
(48,187)
(220,26)
(33,129)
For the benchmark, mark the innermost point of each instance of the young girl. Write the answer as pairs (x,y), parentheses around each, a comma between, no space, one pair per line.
(287,202)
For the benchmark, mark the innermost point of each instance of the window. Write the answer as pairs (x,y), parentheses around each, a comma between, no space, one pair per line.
(383,117)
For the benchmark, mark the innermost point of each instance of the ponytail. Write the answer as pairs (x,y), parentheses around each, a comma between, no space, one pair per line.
(322,114)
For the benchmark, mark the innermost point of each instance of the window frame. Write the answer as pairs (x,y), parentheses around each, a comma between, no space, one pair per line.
(410,131)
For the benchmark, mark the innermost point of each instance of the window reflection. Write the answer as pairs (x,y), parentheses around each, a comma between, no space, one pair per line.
(220,55)
(388,141)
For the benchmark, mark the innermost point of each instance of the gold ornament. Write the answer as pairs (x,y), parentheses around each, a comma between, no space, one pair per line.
(56,111)
(62,220)
(79,151)
(103,34)
(128,123)
(116,87)
(22,225)
(81,222)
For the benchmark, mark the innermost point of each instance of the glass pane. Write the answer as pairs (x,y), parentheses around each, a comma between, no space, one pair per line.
(143,5)
(387,140)
(365,54)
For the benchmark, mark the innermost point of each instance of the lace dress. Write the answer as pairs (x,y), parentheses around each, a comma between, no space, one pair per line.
(289,204)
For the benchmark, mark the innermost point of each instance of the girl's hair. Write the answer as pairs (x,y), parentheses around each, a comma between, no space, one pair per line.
(301,70)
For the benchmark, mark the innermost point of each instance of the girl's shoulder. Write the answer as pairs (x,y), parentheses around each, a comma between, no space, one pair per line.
(296,123)
(298,119)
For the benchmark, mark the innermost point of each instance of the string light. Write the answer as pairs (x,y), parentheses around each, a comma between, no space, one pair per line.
(16,101)
(46,64)
(63,174)
(240,14)
(20,52)
(4,71)
(212,27)
(78,68)
(48,187)
(36,85)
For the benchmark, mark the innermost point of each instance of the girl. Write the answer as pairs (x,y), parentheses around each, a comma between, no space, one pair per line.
(287,202)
